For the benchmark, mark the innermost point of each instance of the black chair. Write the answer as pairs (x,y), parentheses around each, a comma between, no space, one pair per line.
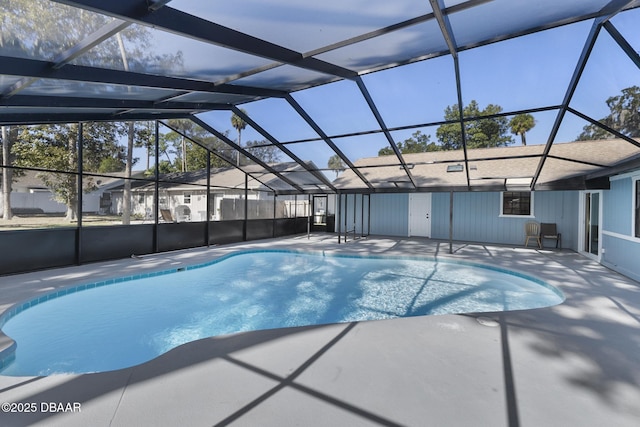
(550,231)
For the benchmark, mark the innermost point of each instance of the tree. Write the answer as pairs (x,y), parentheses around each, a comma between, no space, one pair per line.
(54,148)
(262,150)
(521,124)
(38,30)
(188,155)
(624,117)
(336,164)
(417,143)
(480,133)
(239,125)
(8,136)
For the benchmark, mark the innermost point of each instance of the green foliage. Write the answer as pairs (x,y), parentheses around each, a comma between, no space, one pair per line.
(110,164)
(35,29)
(164,166)
(238,124)
(624,117)
(417,143)
(170,146)
(38,29)
(262,150)
(54,147)
(480,133)
(521,124)
(336,164)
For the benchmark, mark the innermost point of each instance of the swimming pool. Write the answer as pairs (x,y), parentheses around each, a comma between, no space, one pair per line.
(123,322)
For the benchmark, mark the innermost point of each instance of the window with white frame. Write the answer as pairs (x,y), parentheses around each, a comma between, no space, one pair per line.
(516,203)
(186,198)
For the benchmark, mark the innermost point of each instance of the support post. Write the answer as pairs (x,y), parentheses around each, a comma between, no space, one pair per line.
(246,207)
(338,217)
(273,227)
(309,216)
(369,215)
(207,200)
(80,142)
(362,215)
(346,209)
(450,222)
(156,197)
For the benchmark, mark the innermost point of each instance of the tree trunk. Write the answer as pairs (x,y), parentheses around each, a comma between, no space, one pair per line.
(126,202)
(184,155)
(239,145)
(524,138)
(72,197)
(6,174)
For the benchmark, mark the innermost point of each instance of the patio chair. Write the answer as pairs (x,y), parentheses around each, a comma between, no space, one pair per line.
(183,213)
(550,231)
(166,215)
(532,231)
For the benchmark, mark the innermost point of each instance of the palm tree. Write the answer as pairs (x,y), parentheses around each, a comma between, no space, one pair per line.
(335,163)
(521,124)
(239,125)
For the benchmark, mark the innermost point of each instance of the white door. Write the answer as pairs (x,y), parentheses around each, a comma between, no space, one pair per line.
(420,214)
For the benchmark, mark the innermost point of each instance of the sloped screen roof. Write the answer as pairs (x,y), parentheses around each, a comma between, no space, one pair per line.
(342,81)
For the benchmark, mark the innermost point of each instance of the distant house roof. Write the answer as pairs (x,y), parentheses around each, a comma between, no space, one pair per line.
(28,180)
(568,166)
(232,178)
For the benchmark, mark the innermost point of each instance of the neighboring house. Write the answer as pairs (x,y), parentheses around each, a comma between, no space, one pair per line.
(184,194)
(30,195)
(590,189)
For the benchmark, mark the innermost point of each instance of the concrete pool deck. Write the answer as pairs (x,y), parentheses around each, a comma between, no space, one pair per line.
(574,364)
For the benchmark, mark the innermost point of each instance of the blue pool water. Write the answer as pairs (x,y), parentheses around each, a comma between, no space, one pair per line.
(102,328)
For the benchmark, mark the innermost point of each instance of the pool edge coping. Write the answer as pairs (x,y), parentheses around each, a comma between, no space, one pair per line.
(8,346)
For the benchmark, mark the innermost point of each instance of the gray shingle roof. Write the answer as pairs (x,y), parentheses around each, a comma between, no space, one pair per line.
(492,168)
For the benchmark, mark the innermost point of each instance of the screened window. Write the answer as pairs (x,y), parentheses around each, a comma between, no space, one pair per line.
(517,203)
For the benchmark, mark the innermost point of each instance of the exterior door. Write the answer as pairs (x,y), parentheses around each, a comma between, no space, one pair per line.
(320,210)
(591,227)
(420,214)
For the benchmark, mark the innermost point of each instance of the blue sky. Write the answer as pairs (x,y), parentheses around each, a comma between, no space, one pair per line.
(526,72)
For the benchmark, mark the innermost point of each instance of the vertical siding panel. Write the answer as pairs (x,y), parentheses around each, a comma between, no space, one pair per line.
(620,254)
(617,210)
(390,214)
(477,216)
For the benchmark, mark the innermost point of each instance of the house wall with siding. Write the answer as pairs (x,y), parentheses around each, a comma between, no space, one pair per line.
(476,216)
(390,214)
(621,248)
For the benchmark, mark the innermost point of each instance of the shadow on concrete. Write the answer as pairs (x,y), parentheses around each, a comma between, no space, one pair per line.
(87,387)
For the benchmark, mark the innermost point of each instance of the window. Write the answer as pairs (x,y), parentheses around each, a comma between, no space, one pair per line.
(516,203)
(636,207)
(186,198)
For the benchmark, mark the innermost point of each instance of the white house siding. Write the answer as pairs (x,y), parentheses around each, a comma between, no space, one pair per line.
(45,202)
(39,200)
(621,248)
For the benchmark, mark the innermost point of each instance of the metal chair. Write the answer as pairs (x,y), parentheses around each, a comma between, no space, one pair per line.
(532,231)
(550,231)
